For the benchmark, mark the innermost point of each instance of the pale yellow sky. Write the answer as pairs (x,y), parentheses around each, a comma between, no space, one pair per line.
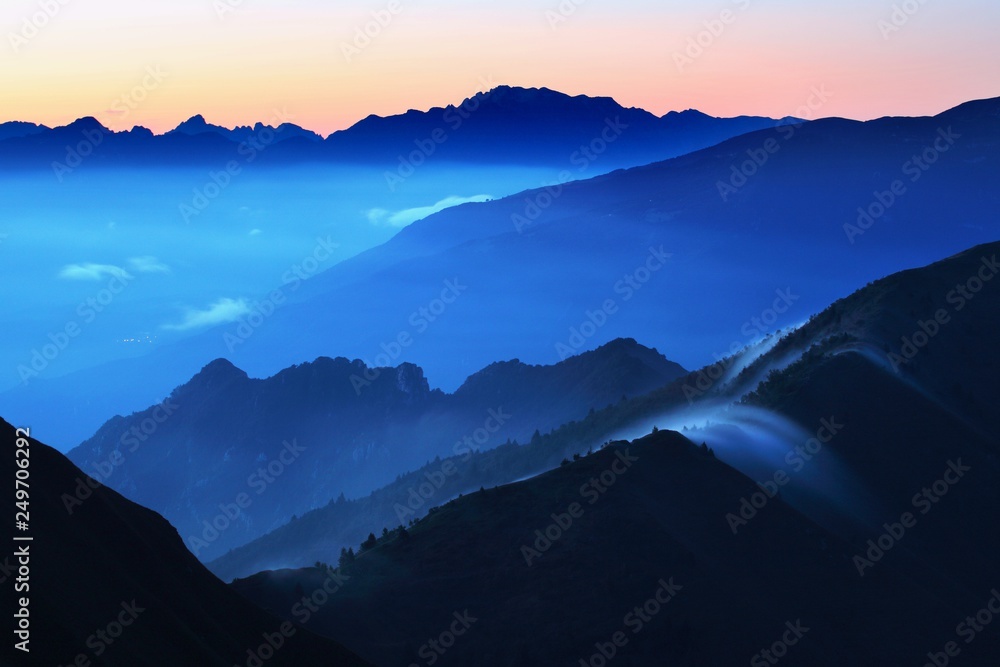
(237,61)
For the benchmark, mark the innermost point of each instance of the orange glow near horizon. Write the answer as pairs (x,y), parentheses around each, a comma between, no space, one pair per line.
(259,56)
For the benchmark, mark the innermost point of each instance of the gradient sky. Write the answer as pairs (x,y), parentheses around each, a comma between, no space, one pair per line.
(236,61)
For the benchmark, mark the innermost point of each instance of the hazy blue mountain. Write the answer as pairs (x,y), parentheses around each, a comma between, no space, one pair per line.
(295,441)
(541,268)
(112,583)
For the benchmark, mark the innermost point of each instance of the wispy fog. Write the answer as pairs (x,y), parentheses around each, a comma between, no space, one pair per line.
(128,259)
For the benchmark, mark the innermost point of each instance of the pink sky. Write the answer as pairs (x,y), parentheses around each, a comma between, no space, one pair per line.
(261,55)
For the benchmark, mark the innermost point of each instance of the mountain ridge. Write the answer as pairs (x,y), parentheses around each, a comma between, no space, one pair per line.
(334,426)
(543,124)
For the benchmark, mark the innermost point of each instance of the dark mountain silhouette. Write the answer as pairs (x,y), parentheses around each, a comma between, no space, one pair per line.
(880,521)
(197,125)
(661,522)
(334,426)
(14,129)
(539,125)
(870,322)
(111,563)
(505,125)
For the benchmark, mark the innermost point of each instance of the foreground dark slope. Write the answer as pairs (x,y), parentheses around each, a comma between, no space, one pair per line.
(322,533)
(933,327)
(899,502)
(334,426)
(949,388)
(112,559)
(662,520)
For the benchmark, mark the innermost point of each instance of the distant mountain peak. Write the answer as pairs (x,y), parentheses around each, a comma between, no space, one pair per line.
(687,113)
(214,375)
(546,98)
(195,125)
(87,123)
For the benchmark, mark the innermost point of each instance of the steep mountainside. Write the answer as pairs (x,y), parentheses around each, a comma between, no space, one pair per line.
(297,440)
(872,483)
(111,584)
(863,337)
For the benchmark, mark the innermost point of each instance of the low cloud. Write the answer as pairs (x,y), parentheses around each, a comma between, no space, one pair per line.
(94,271)
(147,264)
(222,311)
(90,271)
(382,217)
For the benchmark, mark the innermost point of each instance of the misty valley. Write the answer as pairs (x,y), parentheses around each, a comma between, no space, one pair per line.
(531,379)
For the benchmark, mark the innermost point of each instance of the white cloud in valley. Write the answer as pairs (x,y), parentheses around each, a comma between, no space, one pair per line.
(92,271)
(222,311)
(382,217)
(97,271)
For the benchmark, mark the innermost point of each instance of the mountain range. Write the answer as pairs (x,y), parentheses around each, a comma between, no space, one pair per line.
(332,427)
(867,506)
(565,268)
(505,125)
(821,488)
